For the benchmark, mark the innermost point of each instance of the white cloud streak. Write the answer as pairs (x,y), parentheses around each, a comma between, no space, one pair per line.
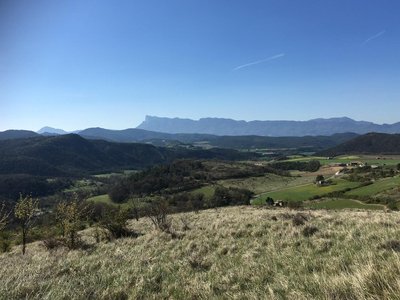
(375,36)
(259,61)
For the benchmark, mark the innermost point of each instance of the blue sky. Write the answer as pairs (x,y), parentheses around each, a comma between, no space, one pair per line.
(76,64)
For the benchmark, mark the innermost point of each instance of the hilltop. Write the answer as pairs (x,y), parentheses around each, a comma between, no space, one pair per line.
(17,134)
(51,130)
(234,252)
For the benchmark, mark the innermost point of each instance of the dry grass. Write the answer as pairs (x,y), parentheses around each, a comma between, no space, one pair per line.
(238,252)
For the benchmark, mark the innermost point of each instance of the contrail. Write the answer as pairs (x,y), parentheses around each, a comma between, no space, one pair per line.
(374,37)
(259,61)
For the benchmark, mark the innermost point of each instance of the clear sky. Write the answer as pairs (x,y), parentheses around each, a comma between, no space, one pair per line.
(75,64)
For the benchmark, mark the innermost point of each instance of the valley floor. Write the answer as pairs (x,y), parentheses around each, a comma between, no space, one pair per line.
(236,252)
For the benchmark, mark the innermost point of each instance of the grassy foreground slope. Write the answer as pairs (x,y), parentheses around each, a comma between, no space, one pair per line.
(236,252)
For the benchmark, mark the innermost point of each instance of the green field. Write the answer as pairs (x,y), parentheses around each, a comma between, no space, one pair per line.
(101,199)
(108,175)
(342,204)
(305,192)
(207,191)
(82,185)
(376,187)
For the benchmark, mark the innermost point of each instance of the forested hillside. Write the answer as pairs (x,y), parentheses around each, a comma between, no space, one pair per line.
(371,143)
(73,155)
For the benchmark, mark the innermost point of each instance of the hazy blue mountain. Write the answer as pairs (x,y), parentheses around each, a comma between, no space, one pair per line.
(51,131)
(219,126)
(125,136)
(16,134)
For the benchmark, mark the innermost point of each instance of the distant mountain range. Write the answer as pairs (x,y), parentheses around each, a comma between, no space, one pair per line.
(313,135)
(219,126)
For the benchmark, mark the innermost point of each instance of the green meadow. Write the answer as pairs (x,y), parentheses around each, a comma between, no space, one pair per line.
(306,192)
(101,199)
(207,191)
(343,204)
(376,187)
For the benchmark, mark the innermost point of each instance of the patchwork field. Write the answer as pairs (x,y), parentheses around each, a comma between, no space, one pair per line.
(267,183)
(299,187)
(237,252)
(389,160)
(305,192)
(376,187)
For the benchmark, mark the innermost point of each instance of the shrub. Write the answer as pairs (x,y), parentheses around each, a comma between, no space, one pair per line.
(51,243)
(309,231)
(269,201)
(70,215)
(5,246)
(392,204)
(295,204)
(97,211)
(197,202)
(119,193)
(198,263)
(299,219)
(158,211)
(391,245)
(115,222)
(185,223)
(230,196)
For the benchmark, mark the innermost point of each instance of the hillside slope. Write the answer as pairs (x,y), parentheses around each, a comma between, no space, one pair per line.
(236,252)
(72,154)
(371,143)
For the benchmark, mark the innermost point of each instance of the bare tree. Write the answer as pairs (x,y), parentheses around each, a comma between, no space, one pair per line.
(25,210)
(158,214)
